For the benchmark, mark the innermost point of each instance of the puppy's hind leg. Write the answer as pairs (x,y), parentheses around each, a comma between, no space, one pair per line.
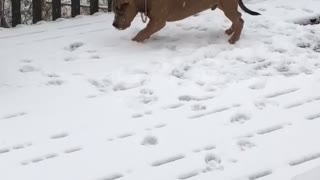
(231,30)
(230,9)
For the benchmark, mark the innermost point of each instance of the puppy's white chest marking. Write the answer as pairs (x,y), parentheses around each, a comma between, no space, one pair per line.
(184,4)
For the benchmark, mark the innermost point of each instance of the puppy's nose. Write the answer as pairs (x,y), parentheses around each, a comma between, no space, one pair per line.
(115,25)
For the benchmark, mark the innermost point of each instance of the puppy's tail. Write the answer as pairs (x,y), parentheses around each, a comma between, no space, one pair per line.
(247,10)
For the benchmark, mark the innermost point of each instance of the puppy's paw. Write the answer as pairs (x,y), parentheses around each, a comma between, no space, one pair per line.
(140,38)
(137,39)
(233,39)
(229,31)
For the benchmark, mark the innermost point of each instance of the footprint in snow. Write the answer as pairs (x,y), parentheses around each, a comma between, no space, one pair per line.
(95,56)
(56,82)
(262,9)
(240,118)
(26,60)
(261,84)
(147,96)
(91,51)
(263,66)
(316,48)
(160,125)
(205,148)
(102,86)
(304,159)
(59,135)
(173,106)
(72,150)
(15,148)
(286,7)
(272,128)
(213,162)
(198,107)
(36,160)
(245,145)
(5,150)
(135,116)
(112,177)
(232,160)
(188,175)
(280,50)
(150,141)
(52,75)
(127,86)
(39,159)
(91,96)
(171,47)
(125,135)
(180,72)
(261,104)
(50,156)
(188,98)
(209,147)
(20,146)
(110,139)
(70,59)
(146,91)
(28,69)
(167,160)
(260,174)
(308,10)
(14,115)
(304,45)
(74,46)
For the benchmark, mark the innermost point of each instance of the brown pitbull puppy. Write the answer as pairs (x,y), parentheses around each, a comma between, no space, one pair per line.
(161,11)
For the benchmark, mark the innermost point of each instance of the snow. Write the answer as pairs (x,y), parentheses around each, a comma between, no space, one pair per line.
(80,101)
(314,174)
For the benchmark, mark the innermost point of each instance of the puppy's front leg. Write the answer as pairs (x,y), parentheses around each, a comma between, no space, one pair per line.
(152,27)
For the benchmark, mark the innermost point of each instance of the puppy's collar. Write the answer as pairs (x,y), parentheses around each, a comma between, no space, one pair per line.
(144,15)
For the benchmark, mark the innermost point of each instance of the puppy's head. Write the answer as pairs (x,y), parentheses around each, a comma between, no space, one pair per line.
(125,11)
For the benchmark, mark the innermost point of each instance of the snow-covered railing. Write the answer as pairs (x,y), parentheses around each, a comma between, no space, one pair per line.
(42,9)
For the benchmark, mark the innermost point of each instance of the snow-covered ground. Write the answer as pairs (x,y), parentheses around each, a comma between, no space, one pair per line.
(80,101)
(312,174)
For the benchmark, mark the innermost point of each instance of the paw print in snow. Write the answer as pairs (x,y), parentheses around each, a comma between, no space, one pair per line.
(317,48)
(28,68)
(150,140)
(245,145)
(147,96)
(198,107)
(213,162)
(240,118)
(74,46)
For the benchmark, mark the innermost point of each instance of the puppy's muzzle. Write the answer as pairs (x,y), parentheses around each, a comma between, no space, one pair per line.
(114,24)
(120,27)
